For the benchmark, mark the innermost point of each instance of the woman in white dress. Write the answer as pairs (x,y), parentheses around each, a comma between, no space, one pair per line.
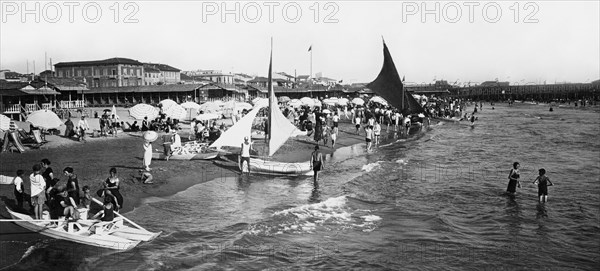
(147,155)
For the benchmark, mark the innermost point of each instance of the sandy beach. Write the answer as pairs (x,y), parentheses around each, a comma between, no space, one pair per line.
(93,159)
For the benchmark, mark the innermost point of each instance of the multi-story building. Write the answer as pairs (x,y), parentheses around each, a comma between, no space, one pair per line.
(214,76)
(112,72)
(151,76)
(168,74)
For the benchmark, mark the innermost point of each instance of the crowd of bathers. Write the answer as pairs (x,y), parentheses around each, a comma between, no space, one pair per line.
(64,198)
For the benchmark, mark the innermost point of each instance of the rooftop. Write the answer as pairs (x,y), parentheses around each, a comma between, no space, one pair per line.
(105,62)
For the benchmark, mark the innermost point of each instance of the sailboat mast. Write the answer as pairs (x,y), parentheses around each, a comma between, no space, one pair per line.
(271,98)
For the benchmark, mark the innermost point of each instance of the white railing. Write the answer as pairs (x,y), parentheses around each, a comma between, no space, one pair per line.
(13,109)
(72,104)
(31,107)
(47,106)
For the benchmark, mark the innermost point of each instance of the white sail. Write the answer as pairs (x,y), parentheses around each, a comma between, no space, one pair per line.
(280,128)
(234,136)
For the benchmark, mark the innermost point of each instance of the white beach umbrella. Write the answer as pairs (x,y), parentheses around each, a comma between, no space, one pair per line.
(317,102)
(283,99)
(358,101)
(326,111)
(331,101)
(307,101)
(166,103)
(175,112)
(379,100)
(219,102)
(45,119)
(190,105)
(208,116)
(139,111)
(210,107)
(4,123)
(295,103)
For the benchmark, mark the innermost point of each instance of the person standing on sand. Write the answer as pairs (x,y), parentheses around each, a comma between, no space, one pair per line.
(513,178)
(167,143)
(147,155)
(357,122)
(82,126)
(145,126)
(316,163)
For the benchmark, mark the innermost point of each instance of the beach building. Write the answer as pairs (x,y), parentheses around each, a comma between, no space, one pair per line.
(167,74)
(112,72)
(17,99)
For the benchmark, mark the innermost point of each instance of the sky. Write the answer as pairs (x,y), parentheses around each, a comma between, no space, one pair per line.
(475,41)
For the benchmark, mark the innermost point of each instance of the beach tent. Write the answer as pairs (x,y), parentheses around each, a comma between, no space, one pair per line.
(45,119)
(114,112)
(139,111)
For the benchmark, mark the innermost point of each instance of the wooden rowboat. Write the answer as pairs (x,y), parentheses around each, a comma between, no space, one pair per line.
(266,167)
(111,235)
(188,156)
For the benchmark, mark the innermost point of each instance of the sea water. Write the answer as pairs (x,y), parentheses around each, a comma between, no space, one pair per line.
(435,201)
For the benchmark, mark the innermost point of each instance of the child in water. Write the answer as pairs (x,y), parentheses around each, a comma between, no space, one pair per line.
(543,182)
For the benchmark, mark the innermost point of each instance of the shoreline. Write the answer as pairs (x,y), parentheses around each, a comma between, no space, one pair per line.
(93,159)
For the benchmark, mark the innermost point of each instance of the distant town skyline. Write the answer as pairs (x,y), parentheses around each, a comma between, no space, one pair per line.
(544,41)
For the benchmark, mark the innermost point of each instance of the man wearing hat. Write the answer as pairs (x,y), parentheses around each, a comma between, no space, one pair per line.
(82,125)
(245,154)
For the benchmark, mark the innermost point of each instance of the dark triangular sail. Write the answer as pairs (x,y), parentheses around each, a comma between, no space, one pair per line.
(389,86)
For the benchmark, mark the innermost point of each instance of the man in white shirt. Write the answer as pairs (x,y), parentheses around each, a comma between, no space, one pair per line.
(335,119)
(245,154)
(82,126)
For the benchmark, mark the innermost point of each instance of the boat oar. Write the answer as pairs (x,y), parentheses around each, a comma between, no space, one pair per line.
(125,218)
(34,220)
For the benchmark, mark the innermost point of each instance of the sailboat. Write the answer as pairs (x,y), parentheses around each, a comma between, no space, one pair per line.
(280,130)
(389,86)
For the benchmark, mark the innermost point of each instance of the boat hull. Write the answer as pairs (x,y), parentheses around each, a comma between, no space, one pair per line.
(82,236)
(121,237)
(279,168)
(190,156)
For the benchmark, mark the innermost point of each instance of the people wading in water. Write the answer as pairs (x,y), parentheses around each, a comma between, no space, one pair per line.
(316,163)
(513,178)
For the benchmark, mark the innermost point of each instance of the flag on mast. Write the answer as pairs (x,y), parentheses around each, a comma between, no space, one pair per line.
(310,48)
